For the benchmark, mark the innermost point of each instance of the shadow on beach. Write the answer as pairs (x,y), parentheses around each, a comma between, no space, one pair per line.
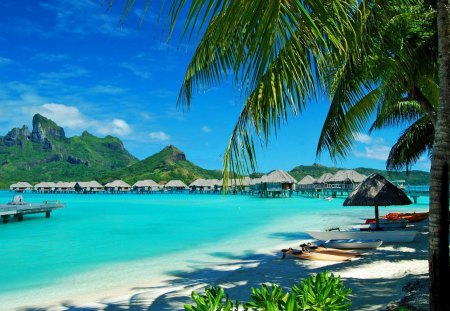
(376,278)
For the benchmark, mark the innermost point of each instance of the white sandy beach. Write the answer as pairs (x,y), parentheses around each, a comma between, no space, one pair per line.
(376,278)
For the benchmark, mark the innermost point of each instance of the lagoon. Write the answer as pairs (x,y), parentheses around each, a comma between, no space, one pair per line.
(102,245)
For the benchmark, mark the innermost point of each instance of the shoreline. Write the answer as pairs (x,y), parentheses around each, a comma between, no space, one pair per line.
(376,279)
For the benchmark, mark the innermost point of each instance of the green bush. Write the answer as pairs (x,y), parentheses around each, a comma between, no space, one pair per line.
(321,292)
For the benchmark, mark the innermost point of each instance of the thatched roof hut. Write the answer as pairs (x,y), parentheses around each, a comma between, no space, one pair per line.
(200,182)
(21,186)
(118,184)
(45,185)
(176,184)
(214,182)
(92,185)
(278,176)
(146,184)
(347,176)
(307,180)
(322,179)
(376,191)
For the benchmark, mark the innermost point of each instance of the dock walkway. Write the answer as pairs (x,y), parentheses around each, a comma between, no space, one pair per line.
(19,210)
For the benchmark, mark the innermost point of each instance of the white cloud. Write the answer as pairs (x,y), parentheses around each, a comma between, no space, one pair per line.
(362,138)
(206,129)
(376,152)
(116,127)
(70,117)
(160,135)
(65,116)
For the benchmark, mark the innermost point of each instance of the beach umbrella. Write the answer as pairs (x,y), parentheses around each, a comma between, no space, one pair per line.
(376,191)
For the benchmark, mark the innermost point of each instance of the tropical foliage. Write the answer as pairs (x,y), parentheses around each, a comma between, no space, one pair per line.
(381,74)
(323,291)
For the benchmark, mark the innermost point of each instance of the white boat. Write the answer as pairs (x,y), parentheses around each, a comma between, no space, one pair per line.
(383,235)
(389,224)
(353,244)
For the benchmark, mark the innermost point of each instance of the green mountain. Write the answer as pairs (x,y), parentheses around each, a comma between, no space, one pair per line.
(46,154)
(316,170)
(170,163)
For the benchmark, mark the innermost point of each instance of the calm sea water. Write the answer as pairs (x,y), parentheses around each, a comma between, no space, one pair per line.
(102,242)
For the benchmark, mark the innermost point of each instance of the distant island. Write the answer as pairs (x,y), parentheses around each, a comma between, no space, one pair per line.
(46,154)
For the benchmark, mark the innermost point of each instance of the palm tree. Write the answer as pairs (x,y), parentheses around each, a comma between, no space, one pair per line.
(283,52)
(439,185)
(386,79)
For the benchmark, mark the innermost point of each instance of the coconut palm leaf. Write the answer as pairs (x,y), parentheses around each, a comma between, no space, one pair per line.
(411,145)
(378,79)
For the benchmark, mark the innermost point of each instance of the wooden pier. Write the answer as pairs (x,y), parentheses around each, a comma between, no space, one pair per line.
(19,210)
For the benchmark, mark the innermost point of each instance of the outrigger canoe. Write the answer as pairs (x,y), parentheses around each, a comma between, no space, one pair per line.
(300,254)
(328,250)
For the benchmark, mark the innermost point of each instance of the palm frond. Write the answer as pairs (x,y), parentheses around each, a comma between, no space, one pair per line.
(414,141)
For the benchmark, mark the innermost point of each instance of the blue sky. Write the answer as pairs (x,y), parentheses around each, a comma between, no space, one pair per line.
(76,64)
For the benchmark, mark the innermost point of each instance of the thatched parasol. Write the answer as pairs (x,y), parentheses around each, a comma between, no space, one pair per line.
(376,191)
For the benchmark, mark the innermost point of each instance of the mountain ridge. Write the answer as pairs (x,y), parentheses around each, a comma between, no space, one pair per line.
(46,154)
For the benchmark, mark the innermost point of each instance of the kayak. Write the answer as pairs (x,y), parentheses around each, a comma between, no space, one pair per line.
(386,223)
(300,254)
(410,217)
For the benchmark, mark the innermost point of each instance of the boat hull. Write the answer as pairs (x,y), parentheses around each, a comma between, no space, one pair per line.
(385,235)
(353,244)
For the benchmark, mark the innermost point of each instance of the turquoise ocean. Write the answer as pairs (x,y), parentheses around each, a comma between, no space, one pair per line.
(102,244)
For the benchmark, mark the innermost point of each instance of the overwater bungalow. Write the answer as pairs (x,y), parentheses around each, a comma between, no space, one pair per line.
(44,187)
(320,182)
(92,186)
(341,183)
(65,187)
(176,186)
(21,186)
(117,186)
(345,179)
(307,182)
(201,185)
(146,186)
(277,183)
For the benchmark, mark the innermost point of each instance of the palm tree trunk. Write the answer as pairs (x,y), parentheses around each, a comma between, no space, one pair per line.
(439,187)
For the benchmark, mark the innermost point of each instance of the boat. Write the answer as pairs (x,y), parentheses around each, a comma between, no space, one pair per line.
(323,249)
(328,198)
(386,223)
(383,235)
(353,244)
(301,254)
(410,217)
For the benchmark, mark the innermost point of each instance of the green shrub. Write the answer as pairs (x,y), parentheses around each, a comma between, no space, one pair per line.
(321,292)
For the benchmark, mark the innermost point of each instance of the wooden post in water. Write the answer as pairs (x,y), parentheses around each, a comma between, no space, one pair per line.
(47,214)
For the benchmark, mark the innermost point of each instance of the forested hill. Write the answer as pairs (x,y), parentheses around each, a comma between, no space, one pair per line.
(168,164)
(46,154)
